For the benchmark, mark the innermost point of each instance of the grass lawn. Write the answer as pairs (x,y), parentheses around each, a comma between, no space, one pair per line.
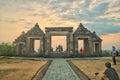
(89,67)
(16,69)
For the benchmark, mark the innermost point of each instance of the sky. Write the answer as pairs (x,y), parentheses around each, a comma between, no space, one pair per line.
(102,16)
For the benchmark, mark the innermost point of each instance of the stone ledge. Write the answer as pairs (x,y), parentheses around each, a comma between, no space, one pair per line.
(41,72)
(79,73)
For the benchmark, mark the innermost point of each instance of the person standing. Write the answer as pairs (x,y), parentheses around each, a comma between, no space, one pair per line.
(81,51)
(114,55)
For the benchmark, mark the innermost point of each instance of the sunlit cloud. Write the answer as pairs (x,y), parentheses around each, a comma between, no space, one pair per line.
(13,20)
(102,16)
(110,40)
(114,6)
(111,16)
(95,3)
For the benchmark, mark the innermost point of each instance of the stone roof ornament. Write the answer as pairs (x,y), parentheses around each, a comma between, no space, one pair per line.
(36,25)
(80,25)
(21,38)
(95,37)
(23,32)
(81,30)
(35,30)
(94,32)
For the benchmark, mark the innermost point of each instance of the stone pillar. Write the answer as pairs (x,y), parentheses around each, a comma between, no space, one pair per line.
(68,43)
(76,45)
(86,45)
(90,50)
(32,45)
(100,48)
(17,49)
(20,47)
(28,44)
(41,45)
(48,42)
(71,42)
(97,48)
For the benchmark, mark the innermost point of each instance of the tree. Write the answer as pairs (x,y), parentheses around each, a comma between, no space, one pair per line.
(7,49)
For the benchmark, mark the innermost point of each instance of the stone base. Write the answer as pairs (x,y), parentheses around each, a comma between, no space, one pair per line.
(59,55)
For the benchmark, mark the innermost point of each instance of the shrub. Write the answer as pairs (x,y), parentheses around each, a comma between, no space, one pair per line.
(7,49)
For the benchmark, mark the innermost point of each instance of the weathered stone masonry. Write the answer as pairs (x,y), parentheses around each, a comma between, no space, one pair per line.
(25,42)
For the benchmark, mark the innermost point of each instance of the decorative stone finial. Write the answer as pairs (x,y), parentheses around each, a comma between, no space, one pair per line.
(36,24)
(80,25)
(23,32)
(94,32)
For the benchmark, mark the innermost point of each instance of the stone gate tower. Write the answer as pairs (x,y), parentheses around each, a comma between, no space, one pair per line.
(25,42)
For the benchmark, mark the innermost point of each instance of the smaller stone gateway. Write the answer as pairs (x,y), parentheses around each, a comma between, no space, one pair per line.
(25,42)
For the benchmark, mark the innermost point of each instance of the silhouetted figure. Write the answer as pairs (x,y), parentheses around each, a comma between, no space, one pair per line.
(114,55)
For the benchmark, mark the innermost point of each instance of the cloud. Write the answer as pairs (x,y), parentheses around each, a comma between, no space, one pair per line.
(26,8)
(41,15)
(109,40)
(13,20)
(35,14)
(95,3)
(100,9)
(78,10)
(111,16)
(114,6)
(60,6)
(1,20)
(29,23)
(113,10)
(104,28)
(99,15)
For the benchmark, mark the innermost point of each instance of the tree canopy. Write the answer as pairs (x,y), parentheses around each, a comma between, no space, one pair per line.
(7,49)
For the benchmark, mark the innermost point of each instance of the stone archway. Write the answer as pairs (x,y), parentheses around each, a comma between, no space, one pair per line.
(20,47)
(30,44)
(59,31)
(92,43)
(86,44)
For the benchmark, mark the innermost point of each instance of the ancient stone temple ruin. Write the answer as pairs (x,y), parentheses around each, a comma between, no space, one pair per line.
(25,42)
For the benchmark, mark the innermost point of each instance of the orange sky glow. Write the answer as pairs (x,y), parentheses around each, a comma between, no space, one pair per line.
(102,16)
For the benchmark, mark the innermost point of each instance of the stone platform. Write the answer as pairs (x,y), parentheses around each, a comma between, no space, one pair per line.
(58,55)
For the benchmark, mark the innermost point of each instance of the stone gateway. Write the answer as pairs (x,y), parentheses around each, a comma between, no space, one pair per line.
(25,42)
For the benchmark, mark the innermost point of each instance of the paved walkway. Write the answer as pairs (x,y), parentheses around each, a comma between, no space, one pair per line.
(60,70)
(85,58)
